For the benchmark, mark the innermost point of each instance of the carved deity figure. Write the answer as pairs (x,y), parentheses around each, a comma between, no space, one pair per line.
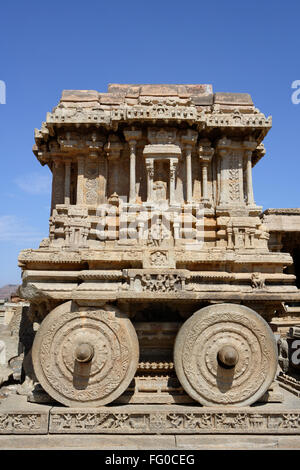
(159,191)
(158,232)
(258,281)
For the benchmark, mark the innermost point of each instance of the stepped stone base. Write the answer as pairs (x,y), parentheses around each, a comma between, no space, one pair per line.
(154,443)
(17,416)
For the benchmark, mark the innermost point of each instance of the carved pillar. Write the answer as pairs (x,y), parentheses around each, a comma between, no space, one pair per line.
(57,183)
(204,181)
(247,238)
(252,237)
(132,192)
(113,158)
(236,171)
(236,237)
(222,179)
(67,182)
(113,149)
(249,146)
(132,136)
(205,154)
(189,180)
(140,230)
(173,165)
(80,180)
(250,197)
(189,140)
(91,175)
(231,154)
(150,175)
(67,235)
(176,230)
(229,238)
(95,170)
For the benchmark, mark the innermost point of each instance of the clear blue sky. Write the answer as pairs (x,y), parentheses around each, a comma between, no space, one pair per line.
(237,46)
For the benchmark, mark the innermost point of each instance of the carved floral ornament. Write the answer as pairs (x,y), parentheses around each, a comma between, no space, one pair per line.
(106,353)
(199,365)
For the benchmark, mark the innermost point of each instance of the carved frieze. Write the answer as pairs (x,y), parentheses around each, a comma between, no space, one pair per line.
(190,420)
(237,119)
(24,422)
(161,282)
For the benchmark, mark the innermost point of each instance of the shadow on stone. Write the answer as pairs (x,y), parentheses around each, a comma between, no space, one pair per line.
(81,375)
(225,378)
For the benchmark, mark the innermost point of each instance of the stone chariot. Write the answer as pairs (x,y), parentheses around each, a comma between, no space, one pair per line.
(160,281)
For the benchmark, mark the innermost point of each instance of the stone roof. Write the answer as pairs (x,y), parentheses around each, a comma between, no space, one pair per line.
(229,114)
(284,211)
(201,94)
(282,219)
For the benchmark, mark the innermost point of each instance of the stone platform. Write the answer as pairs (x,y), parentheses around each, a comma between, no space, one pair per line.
(33,426)
(179,442)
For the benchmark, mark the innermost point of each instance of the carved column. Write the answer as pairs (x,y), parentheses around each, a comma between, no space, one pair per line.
(113,149)
(80,180)
(250,197)
(229,238)
(249,146)
(205,154)
(231,154)
(67,182)
(176,230)
(57,183)
(189,140)
(252,237)
(173,165)
(91,175)
(204,181)
(222,178)
(150,175)
(236,237)
(132,136)
(189,180)
(132,192)
(247,238)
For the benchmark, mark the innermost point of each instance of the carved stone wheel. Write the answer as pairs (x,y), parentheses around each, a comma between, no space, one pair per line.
(85,357)
(225,355)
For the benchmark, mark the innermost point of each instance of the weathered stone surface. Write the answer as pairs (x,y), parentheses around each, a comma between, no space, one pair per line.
(284,229)
(154,442)
(153,218)
(174,420)
(85,357)
(16,337)
(233,98)
(225,355)
(19,417)
(238,443)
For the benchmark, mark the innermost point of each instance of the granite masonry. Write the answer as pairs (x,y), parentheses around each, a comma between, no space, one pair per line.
(164,300)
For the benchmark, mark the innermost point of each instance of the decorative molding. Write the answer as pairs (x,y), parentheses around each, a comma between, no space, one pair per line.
(24,422)
(189,420)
